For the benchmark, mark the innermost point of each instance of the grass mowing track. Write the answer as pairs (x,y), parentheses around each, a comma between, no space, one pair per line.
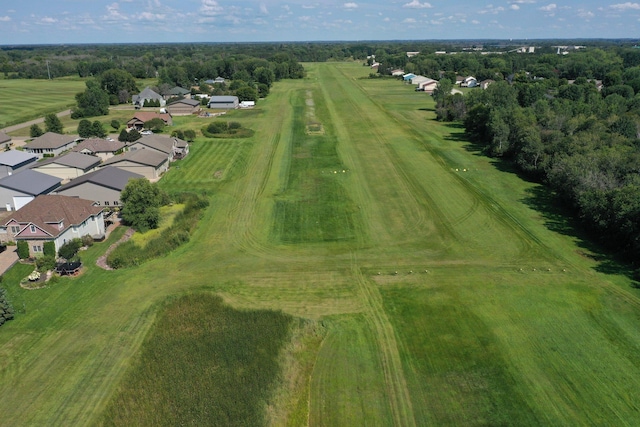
(511,323)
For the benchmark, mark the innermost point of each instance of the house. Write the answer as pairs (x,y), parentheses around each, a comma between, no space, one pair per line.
(469,82)
(428,86)
(217,80)
(375,65)
(103,186)
(102,148)
(485,83)
(412,54)
(68,166)
(13,160)
(407,77)
(184,107)
(224,102)
(419,79)
(50,144)
(147,163)
(22,187)
(397,72)
(247,104)
(171,147)
(53,218)
(141,117)
(5,141)
(147,95)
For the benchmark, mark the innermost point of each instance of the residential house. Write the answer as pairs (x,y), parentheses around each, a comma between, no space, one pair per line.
(397,72)
(469,82)
(147,95)
(419,79)
(171,147)
(14,160)
(177,92)
(428,86)
(103,148)
(141,117)
(5,141)
(184,107)
(68,166)
(103,186)
(22,187)
(148,163)
(407,77)
(53,218)
(412,54)
(224,102)
(50,144)
(217,80)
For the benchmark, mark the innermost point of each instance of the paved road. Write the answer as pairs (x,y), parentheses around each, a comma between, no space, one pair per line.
(32,122)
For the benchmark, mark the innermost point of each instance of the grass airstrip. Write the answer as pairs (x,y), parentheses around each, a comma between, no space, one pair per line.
(430,287)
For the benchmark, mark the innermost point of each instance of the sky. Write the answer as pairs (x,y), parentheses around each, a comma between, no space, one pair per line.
(131,21)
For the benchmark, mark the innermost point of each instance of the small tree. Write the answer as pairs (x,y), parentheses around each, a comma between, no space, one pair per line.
(156,125)
(84,129)
(35,131)
(22,248)
(97,129)
(190,135)
(115,124)
(178,134)
(52,123)
(70,249)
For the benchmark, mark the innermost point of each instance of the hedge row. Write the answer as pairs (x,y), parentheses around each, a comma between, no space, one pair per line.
(129,254)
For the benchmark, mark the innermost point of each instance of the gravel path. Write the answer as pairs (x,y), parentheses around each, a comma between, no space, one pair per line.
(102,261)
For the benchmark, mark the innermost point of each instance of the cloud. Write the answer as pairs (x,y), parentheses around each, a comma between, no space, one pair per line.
(148,16)
(263,9)
(48,20)
(514,7)
(586,14)
(415,4)
(626,6)
(5,19)
(549,8)
(409,21)
(350,6)
(475,22)
(210,8)
(113,13)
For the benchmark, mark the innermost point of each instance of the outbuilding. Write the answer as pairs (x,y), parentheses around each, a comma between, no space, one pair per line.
(224,102)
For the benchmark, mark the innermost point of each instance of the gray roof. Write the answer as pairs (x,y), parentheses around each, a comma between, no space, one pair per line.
(96,145)
(147,93)
(158,142)
(223,98)
(30,182)
(4,138)
(179,91)
(16,157)
(109,177)
(72,160)
(51,140)
(191,102)
(142,157)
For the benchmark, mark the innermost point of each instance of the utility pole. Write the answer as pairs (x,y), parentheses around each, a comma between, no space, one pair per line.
(48,71)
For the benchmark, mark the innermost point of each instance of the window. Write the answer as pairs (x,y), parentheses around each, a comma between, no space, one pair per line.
(32,228)
(116,203)
(15,229)
(37,248)
(106,203)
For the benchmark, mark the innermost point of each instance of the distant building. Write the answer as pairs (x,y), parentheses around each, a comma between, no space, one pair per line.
(224,102)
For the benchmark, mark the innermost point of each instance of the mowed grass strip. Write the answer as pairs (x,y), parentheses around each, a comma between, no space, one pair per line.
(313,206)
(203,364)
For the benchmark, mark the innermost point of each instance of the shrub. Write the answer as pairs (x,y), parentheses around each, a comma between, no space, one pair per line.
(45,263)
(35,131)
(22,249)
(87,240)
(178,134)
(115,124)
(70,249)
(218,127)
(6,310)
(235,125)
(49,249)
(190,135)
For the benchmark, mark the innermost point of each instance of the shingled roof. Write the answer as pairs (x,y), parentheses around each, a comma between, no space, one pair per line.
(51,140)
(109,177)
(72,160)
(96,145)
(142,157)
(30,182)
(47,212)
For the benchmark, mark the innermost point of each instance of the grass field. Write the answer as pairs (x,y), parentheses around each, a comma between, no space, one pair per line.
(450,292)
(30,99)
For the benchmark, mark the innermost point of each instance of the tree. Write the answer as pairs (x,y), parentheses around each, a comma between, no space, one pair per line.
(131,136)
(35,131)
(98,130)
(264,75)
(141,202)
(116,80)
(115,124)
(156,125)
(246,93)
(85,129)
(22,248)
(49,248)
(52,123)
(92,102)
(190,135)
(70,249)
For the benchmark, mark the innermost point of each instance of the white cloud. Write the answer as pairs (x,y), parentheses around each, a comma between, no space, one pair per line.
(586,14)
(113,13)
(148,16)
(48,20)
(263,9)
(308,6)
(475,22)
(549,8)
(5,19)
(409,21)
(626,6)
(350,6)
(210,8)
(415,4)
(514,7)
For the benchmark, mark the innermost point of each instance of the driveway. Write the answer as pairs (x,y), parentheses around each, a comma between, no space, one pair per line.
(8,258)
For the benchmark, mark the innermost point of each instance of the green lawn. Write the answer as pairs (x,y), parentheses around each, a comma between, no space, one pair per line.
(449,291)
